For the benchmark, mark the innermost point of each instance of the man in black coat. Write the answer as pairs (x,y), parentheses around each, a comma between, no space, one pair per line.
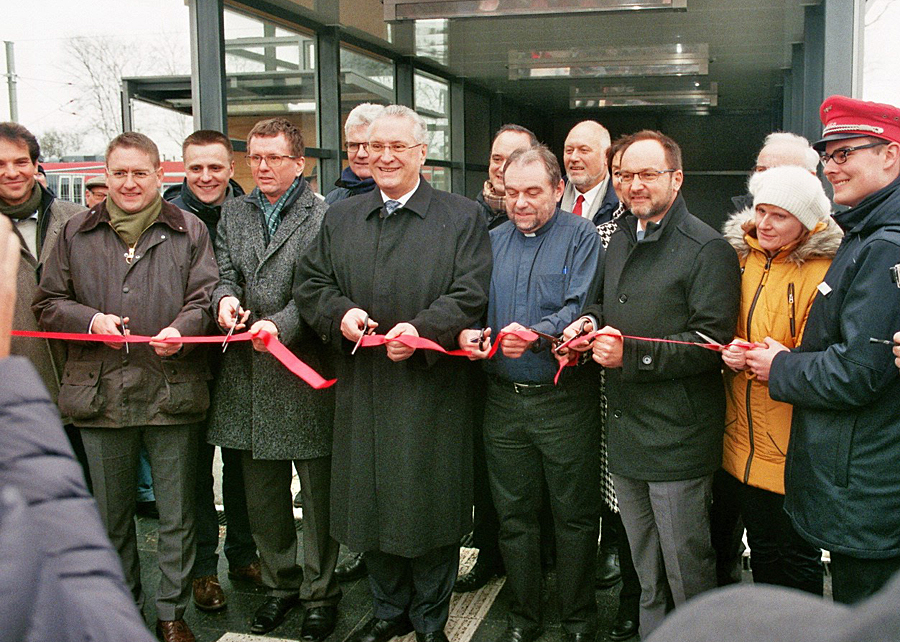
(842,482)
(667,276)
(208,183)
(410,261)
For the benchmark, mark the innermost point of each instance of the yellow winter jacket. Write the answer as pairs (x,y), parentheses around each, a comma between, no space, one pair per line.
(776,295)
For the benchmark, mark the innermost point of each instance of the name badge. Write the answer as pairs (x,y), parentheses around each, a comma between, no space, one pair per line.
(824,288)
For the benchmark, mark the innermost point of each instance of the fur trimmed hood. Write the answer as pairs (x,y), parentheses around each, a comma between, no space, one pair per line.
(819,244)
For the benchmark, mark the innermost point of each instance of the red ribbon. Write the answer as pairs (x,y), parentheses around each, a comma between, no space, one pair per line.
(277,349)
(290,361)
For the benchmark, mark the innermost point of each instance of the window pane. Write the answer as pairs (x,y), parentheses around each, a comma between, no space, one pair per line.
(270,71)
(364,79)
(432,99)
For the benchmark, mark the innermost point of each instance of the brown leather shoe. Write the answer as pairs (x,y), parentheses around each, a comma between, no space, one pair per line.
(174,631)
(250,573)
(208,593)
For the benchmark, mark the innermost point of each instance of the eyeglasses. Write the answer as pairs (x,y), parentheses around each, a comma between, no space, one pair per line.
(138,174)
(354,147)
(396,148)
(839,156)
(646,176)
(272,160)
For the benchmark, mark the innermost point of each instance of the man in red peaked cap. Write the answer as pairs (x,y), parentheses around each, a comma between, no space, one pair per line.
(842,481)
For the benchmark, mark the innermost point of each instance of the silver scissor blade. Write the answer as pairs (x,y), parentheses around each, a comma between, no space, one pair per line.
(709,340)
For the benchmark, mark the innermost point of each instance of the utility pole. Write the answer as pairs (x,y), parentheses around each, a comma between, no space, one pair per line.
(11,81)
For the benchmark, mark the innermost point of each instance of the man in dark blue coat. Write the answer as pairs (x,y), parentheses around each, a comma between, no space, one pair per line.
(356,177)
(842,481)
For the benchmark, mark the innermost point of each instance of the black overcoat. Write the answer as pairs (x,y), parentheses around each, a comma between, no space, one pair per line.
(666,404)
(402,454)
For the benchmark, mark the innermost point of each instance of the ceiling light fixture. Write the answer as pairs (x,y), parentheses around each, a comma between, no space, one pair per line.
(631,96)
(607,62)
(396,10)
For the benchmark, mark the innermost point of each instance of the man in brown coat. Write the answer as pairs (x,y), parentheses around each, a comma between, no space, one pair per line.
(134,263)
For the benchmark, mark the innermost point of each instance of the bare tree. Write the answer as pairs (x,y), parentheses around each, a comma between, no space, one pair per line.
(56,142)
(99,64)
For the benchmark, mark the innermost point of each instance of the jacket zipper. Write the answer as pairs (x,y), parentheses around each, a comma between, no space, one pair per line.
(793,313)
(759,289)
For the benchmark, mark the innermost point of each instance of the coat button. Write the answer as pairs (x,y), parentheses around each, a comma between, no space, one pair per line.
(125,289)
(617,414)
(162,236)
(623,298)
(646,359)
(324,338)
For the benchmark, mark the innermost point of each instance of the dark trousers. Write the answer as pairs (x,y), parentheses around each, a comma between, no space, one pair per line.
(853,578)
(612,535)
(74,435)
(113,455)
(270,507)
(532,437)
(726,530)
(239,547)
(418,588)
(486,525)
(778,555)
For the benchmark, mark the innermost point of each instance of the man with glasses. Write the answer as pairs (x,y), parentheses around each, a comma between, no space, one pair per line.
(136,264)
(842,485)
(355,179)
(667,275)
(404,260)
(259,407)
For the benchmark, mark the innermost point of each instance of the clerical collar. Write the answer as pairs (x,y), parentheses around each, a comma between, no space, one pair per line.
(402,200)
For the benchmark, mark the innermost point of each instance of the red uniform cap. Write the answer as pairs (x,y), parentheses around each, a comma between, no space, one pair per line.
(850,118)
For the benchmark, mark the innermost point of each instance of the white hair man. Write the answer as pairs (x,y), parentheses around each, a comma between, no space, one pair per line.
(356,177)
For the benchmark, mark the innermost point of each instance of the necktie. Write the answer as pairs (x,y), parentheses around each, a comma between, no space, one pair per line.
(578,201)
(391,206)
(640,234)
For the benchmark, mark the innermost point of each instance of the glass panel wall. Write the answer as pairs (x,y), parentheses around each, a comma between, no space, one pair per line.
(432,101)
(270,72)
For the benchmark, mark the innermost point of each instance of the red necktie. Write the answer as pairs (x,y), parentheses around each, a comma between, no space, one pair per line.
(578,201)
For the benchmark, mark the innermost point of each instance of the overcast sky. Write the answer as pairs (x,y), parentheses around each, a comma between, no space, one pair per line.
(40,30)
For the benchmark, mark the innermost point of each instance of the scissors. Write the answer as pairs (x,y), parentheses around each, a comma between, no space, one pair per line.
(581,332)
(237,316)
(554,341)
(709,340)
(480,340)
(125,331)
(364,332)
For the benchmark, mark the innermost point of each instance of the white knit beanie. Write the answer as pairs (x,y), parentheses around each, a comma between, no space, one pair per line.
(794,189)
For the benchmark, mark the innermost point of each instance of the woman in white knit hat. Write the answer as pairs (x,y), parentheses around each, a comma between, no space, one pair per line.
(785,242)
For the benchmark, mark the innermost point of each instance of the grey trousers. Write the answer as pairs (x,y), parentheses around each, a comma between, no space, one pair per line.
(270,509)
(112,455)
(667,524)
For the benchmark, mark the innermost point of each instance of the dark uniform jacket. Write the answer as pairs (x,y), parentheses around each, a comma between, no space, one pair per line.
(402,432)
(60,578)
(666,412)
(169,283)
(258,404)
(842,479)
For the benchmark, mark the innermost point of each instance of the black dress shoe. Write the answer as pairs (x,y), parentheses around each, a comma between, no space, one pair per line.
(353,569)
(434,636)
(581,637)
(376,630)
(272,613)
(519,634)
(319,623)
(623,628)
(481,574)
(608,572)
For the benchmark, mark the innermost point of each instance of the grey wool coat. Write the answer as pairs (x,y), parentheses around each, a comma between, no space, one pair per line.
(258,405)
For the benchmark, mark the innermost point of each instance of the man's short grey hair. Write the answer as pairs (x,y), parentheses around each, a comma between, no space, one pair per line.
(419,129)
(361,116)
(539,154)
(810,156)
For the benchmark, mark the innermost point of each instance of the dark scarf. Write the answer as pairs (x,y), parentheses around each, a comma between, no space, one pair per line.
(26,209)
(349,180)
